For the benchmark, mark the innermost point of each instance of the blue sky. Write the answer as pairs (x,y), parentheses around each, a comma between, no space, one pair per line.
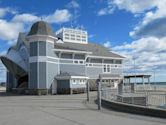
(133,28)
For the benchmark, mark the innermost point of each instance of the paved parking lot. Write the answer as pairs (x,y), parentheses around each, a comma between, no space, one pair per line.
(63,110)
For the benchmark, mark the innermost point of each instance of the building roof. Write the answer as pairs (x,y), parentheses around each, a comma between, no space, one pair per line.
(96,49)
(66,75)
(41,28)
(137,76)
(110,76)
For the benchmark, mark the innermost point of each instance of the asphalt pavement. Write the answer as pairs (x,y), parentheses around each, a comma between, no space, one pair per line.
(64,110)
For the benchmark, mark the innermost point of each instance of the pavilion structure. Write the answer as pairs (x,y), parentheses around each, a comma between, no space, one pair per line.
(143,77)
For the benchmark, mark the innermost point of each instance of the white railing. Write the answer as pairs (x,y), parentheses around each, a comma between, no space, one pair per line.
(155,99)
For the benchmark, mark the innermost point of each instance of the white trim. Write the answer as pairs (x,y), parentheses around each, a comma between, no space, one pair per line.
(40,58)
(94,67)
(71,59)
(72,51)
(51,62)
(77,60)
(104,57)
(47,38)
(75,41)
(37,59)
(71,77)
(79,77)
(51,57)
(72,64)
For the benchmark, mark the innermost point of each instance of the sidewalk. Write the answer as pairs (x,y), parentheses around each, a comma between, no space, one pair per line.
(64,110)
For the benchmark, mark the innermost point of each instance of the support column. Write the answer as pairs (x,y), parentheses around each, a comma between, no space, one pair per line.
(87,90)
(99,95)
(149,82)
(143,82)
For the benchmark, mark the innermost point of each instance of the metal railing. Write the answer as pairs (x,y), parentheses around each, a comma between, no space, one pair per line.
(155,99)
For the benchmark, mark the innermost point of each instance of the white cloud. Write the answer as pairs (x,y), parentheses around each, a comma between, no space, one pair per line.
(26,18)
(10,30)
(4,11)
(153,23)
(134,6)
(91,35)
(107,44)
(149,53)
(105,11)
(59,16)
(73,4)
(109,9)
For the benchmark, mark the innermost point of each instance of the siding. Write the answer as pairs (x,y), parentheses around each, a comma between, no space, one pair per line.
(73,68)
(94,72)
(33,76)
(116,70)
(33,49)
(42,48)
(42,75)
(50,51)
(52,71)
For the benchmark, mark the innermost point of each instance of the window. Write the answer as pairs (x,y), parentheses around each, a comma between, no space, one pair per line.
(90,64)
(74,81)
(66,37)
(66,34)
(81,62)
(72,38)
(76,62)
(106,68)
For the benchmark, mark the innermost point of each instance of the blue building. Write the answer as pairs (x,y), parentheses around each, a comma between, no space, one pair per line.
(43,61)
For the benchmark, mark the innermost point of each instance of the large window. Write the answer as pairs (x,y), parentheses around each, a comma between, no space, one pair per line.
(106,68)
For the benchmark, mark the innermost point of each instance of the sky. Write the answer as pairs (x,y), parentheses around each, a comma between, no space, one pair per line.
(135,29)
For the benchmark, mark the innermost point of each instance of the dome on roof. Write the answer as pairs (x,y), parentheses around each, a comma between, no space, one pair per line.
(41,28)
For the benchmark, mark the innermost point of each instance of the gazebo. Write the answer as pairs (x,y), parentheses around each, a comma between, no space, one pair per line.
(127,80)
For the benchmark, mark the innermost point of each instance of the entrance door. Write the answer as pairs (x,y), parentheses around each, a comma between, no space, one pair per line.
(54,87)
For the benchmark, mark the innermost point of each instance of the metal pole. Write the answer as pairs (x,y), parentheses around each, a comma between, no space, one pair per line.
(135,71)
(99,95)
(87,90)
(154,80)
(165,97)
